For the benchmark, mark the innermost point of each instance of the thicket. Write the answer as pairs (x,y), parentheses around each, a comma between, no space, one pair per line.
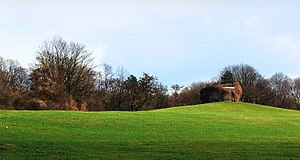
(64,77)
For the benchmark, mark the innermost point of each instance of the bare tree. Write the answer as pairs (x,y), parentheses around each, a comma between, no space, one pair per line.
(103,84)
(296,89)
(111,87)
(191,95)
(67,66)
(118,89)
(248,77)
(14,82)
(282,87)
(105,77)
(6,83)
(176,88)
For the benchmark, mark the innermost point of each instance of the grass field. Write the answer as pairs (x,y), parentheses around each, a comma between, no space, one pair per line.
(209,131)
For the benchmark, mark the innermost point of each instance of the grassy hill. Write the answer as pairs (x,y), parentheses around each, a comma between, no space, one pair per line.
(217,130)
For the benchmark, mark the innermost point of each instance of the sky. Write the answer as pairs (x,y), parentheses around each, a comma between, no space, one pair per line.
(178,41)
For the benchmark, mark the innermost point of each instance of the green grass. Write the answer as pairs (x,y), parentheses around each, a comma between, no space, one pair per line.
(208,131)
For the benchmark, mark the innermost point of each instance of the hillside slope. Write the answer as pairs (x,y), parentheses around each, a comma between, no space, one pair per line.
(217,130)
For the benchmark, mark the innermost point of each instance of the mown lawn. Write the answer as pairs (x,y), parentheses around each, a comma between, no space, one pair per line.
(218,130)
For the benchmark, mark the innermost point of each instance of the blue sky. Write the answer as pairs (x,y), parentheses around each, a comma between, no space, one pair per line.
(179,41)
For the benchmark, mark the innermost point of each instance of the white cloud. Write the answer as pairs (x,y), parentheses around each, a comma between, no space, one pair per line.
(279,44)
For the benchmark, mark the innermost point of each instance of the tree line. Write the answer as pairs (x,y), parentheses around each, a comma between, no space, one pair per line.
(64,77)
(279,90)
